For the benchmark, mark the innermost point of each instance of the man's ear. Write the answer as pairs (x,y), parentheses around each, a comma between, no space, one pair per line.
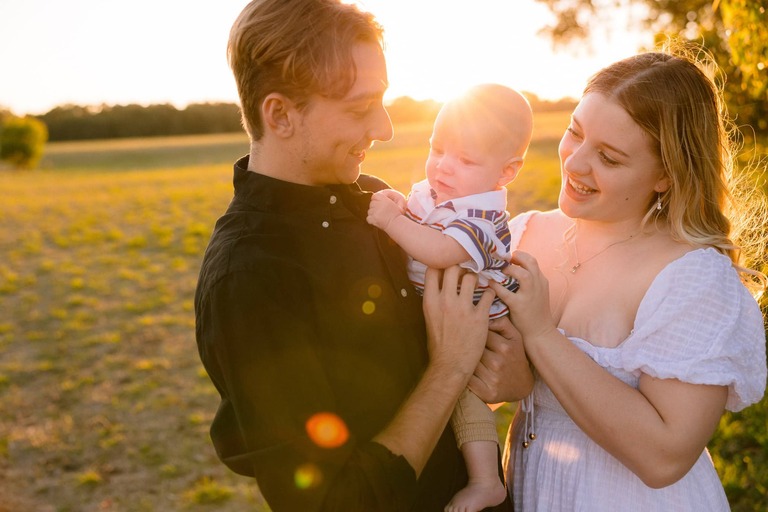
(511,168)
(276,112)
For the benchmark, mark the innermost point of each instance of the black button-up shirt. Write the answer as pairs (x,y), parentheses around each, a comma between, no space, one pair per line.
(303,308)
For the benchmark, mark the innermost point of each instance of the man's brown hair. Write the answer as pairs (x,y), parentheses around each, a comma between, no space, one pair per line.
(297,48)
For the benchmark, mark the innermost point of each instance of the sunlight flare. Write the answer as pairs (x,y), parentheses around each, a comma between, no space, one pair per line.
(327,430)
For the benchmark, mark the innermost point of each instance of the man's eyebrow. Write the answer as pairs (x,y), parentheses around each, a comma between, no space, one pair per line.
(370,95)
(365,96)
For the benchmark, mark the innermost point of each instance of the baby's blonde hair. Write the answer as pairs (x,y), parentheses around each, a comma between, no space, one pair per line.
(502,110)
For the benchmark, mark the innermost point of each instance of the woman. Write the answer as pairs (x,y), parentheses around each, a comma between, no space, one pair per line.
(632,302)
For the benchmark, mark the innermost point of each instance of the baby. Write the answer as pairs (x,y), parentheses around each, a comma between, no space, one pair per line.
(457,215)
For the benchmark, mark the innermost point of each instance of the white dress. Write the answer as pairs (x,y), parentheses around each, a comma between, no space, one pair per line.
(697,323)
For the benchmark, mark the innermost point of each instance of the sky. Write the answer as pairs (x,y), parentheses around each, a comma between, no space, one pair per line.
(93,52)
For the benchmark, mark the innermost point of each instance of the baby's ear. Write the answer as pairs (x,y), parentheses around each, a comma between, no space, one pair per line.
(511,168)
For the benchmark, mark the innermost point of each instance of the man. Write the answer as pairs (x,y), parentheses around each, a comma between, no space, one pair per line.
(306,320)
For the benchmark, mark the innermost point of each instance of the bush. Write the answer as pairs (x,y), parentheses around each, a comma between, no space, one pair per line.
(740,453)
(22,140)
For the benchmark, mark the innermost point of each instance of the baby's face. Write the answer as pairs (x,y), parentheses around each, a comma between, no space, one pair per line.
(464,159)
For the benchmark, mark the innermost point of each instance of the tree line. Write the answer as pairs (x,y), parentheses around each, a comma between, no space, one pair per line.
(76,122)
(22,139)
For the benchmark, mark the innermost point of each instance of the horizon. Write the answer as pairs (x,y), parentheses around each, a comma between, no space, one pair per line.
(96,108)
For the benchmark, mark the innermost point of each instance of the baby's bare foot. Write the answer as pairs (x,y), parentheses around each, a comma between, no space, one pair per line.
(477,495)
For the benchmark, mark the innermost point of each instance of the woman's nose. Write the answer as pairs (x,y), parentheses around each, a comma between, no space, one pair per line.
(575,161)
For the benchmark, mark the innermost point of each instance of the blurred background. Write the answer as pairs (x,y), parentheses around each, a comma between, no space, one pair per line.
(118,128)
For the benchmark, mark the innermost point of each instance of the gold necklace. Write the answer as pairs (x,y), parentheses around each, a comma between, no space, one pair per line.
(601,251)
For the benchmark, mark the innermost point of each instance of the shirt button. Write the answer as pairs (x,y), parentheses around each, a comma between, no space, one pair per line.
(326,223)
(404,292)
(333,199)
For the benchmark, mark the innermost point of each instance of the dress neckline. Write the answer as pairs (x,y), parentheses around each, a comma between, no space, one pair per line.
(643,301)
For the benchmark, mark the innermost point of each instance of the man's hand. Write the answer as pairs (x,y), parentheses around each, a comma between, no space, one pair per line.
(504,373)
(456,328)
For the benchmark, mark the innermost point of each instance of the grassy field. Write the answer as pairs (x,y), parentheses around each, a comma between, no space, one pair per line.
(104,405)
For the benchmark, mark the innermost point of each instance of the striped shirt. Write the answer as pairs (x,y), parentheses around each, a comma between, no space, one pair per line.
(478,223)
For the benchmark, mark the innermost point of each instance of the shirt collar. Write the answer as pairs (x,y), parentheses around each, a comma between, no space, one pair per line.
(271,194)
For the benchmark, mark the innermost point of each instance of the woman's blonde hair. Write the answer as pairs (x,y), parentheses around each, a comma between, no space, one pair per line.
(675,96)
(297,48)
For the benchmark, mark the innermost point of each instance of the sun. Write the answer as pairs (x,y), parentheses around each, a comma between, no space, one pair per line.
(437,49)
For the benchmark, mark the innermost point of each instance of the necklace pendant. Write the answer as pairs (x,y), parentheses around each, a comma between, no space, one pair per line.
(575,268)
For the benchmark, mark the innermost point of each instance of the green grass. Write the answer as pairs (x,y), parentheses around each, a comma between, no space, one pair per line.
(103,402)
(144,153)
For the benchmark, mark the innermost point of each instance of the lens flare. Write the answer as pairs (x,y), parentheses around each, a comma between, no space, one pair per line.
(307,476)
(374,291)
(369,307)
(327,430)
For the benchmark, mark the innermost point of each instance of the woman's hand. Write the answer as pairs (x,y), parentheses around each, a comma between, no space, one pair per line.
(529,305)
(504,374)
(456,328)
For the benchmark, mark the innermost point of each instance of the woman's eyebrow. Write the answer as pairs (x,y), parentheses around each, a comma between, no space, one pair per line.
(604,144)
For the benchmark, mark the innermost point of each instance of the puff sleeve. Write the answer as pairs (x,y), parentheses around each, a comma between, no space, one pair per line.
(699,324)
(517,226)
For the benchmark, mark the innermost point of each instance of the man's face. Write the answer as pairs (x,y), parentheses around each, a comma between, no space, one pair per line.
(336,133)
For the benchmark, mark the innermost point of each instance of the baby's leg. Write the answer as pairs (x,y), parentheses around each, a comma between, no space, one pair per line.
(484,488)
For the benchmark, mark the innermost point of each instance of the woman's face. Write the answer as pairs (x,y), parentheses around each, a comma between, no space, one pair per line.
(609,171)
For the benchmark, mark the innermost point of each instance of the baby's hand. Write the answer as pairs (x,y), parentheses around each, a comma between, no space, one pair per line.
(385,206)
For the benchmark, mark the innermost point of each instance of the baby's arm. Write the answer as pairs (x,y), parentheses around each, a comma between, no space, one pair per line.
(427,245)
